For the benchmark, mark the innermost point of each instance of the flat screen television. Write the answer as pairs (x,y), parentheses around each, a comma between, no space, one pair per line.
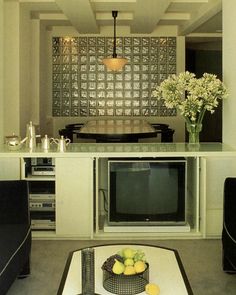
(147,192)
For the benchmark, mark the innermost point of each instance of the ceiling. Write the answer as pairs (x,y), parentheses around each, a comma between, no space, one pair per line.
(140,16)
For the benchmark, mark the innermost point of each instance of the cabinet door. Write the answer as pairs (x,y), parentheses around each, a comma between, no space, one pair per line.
(9,168)
(74,195)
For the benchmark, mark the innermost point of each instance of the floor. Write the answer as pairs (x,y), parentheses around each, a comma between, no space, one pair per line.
(201,260)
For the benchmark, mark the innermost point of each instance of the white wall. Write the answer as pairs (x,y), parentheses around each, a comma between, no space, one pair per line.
(21,69)
(26,76)
(229,72)
(11,37)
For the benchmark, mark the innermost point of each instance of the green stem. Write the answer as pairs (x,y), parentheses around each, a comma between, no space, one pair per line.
(200,118)
(188,120)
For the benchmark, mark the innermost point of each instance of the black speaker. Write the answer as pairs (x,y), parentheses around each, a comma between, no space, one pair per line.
(229,226)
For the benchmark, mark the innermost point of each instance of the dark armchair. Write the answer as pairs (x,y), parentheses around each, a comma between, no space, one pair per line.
(15,233)
(229,226)
(165,132)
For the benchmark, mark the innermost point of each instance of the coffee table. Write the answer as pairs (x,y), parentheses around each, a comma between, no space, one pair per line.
(165,270)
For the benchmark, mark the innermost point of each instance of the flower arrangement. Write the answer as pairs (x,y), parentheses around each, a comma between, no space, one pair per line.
(190,95)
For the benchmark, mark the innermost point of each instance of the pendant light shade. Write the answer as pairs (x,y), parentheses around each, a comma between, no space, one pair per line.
(114,63)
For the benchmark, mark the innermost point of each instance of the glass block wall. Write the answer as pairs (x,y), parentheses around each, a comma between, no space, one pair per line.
(82,87)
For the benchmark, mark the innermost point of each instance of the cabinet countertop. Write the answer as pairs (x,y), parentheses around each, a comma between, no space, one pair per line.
(126,150)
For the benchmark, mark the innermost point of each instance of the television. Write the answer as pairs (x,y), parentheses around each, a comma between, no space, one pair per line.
(147,191)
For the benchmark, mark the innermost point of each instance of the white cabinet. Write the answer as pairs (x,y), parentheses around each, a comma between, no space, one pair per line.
(74,197)
(80,193)
(217,170)
(72,215)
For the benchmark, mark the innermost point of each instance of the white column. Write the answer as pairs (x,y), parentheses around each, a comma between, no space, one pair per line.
(229,71)
(35,56)
(179,135)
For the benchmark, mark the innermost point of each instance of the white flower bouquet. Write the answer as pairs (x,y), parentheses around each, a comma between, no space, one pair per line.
(191,96)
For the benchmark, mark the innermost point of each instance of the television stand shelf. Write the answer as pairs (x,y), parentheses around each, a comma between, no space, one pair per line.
(147,229)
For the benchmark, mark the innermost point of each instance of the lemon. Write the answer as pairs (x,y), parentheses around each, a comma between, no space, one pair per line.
(152,289)
(129,270)
(140,266)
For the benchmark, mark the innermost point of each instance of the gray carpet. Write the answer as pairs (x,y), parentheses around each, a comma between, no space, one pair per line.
(201,260)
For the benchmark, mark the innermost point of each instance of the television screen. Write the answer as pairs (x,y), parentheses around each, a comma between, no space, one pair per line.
(150,191)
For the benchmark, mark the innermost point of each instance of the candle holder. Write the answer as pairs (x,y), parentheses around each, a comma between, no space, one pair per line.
(87,259)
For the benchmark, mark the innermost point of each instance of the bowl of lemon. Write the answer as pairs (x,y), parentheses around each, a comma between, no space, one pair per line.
(126,272)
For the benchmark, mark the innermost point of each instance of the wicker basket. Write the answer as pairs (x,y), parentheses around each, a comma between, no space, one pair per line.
(125,284)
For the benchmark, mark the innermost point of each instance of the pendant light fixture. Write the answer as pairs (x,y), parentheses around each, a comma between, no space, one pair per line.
(114,63)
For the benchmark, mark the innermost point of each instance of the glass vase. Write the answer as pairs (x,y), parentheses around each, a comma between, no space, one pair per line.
(194,130)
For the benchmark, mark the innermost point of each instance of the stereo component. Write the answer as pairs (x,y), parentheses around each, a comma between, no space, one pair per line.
(42,224)
(41,196)
(42,161)
(41,189)
(43,170)
(44,205)
(42,220)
